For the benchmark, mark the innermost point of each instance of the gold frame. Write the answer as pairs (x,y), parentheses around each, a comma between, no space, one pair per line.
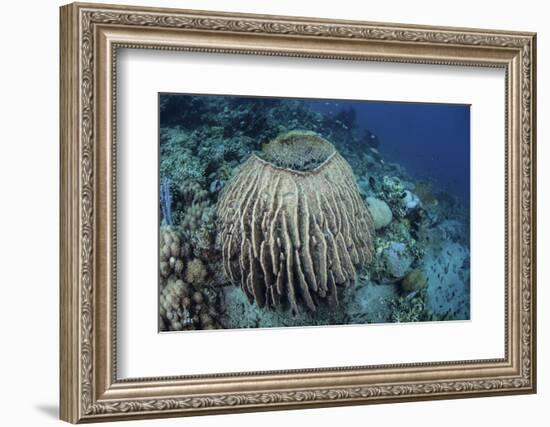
(90,36)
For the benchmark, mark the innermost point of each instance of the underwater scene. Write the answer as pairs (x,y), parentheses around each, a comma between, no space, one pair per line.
(278,212)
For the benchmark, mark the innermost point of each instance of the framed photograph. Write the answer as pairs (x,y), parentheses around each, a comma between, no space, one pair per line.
(267,212)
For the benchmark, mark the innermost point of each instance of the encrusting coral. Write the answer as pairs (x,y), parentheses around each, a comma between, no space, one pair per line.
(292,223)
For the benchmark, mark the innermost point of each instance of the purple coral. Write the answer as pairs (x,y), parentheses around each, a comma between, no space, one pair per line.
(166,202)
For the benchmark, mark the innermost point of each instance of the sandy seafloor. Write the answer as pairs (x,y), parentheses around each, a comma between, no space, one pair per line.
(204,140)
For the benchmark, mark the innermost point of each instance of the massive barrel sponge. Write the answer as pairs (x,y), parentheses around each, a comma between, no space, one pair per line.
(292,223)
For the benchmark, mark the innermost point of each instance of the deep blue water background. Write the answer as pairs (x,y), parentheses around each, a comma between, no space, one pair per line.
(431,141)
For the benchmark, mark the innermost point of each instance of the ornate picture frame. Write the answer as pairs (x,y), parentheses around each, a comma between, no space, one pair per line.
(90,37)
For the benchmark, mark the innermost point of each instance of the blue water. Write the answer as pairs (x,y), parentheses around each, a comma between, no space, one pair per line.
(431,141)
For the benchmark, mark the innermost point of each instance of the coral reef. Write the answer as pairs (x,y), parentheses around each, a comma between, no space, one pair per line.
(293,233)
(198,226)
(410,200)
(166,203)
(185,302)
(410,308)
(195,216)
(415,280)
(417,233)
(172,253)
(192,193)
(364,303)
(400,199)
(393,190)
(380,212)
(184,307)
(398,260)
(195,272)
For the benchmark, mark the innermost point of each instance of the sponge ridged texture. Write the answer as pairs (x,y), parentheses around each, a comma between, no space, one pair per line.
(294,235)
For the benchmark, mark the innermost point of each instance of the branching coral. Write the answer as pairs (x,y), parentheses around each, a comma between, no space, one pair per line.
(198,226)
(195,216)
(296,234)
(176,149)
(191,192)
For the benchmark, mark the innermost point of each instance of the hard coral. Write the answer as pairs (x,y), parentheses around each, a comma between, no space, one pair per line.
(293,224)
(393,192)
(195,272)
(198,226)
(398,260)
(196,217)
(172,252)
(173,314)
(380,212)
(182,307)
(191,193)
(409,309)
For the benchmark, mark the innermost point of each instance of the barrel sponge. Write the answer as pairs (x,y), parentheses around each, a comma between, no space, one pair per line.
(297,150)
(292,224)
